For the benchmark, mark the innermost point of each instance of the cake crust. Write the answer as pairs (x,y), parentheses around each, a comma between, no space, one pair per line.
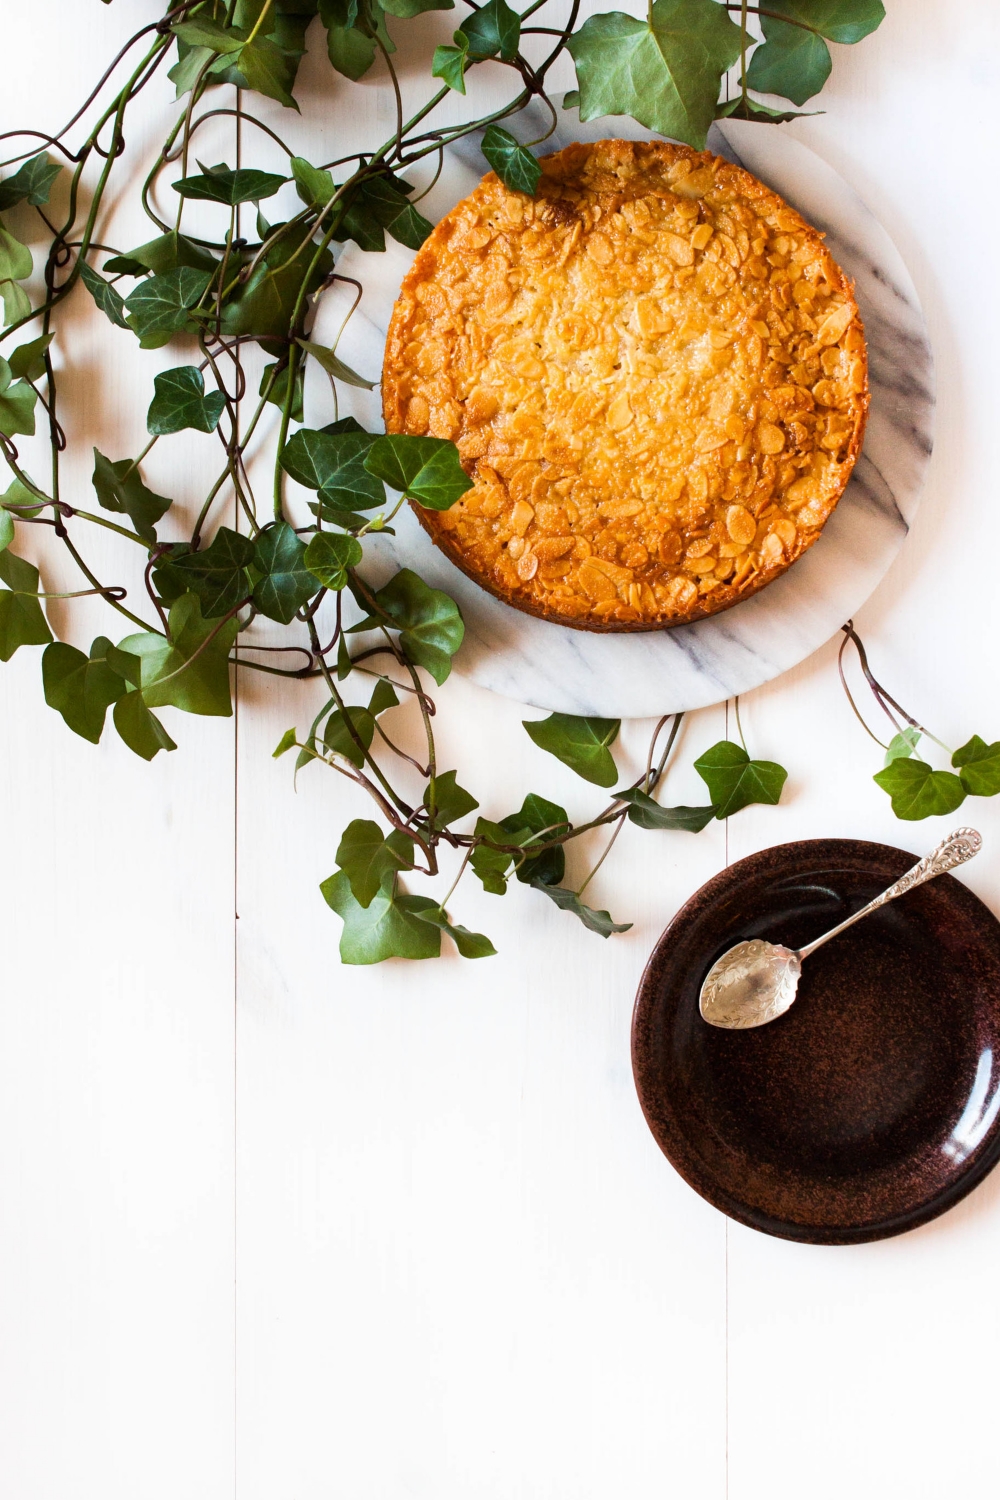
(655,374)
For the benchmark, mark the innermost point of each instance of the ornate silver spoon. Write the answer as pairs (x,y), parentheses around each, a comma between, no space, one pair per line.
(755,982)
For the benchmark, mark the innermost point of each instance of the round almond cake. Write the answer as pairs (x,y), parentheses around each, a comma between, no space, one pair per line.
(655,374)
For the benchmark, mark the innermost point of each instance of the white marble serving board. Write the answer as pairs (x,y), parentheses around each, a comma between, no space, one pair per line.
(692,666)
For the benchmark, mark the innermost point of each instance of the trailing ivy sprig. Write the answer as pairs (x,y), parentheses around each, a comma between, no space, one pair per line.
(916,788)
(210,296)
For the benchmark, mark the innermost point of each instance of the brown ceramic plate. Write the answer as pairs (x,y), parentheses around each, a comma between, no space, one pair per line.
(873,1105)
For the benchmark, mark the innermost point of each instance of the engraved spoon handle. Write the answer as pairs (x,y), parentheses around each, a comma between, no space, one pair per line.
(954,850)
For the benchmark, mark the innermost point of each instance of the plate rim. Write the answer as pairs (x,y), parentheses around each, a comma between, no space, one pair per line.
(968,1177)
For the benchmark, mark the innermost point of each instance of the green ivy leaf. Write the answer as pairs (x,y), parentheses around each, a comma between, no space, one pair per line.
(269,70)
(334,365)
(17,404)
(350,35)
(274,388)
(383,698)
(446,801)
(844,21)
(425,469)
(166,253)
(762,114)
(734,780)
(16,302)
(188,68)
(386,928)
(139,728)
(513,163)
(368,858)
(595,921)
(491,865)
(338,737)
(645,812)
(104,294)
(581,744)
(902,745)
(15,258)
(286,583)
(980,767)
(469,944)
(288,741)
(328,557)
(191,670)
(180,402)
(32,182)
(540,815)
(795,61)
(21,620)
(430,625)
(334,464)
(345,665)
(217,575)
(81,688)
(162,304)
(493,28)
(449,63)
(120,488)
(314,185)
(6,529)
(406,9)
(263,307)
(665,73)
(378,204)
(22,501)
(792,62)
(221,184)
(205,32)
(28,360)
(918,792)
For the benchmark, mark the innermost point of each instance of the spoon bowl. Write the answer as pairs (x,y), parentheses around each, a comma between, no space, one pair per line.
(751,984)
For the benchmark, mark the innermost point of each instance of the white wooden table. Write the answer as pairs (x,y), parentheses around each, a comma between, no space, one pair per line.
(288,1230)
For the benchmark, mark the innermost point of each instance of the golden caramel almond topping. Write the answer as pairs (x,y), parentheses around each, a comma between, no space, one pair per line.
(655,374)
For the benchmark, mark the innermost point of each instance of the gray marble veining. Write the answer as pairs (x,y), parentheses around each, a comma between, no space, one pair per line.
(692,666)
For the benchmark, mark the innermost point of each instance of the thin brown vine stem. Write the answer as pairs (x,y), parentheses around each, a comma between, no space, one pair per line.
(607,850)
(387,810)
(203,645)
(115,603)
(843,682)
(772,15)
(56,140)
(652,747)
(186,137)
(442,904)
(348,721)
(674,731)
(431,185)
(395,89)
(58,294)
(739,725)
(426,705)
(147,580)
(881,696)
(424,770)
(211,114)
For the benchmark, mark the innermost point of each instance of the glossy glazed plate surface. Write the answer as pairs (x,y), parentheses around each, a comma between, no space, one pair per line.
(873,1105)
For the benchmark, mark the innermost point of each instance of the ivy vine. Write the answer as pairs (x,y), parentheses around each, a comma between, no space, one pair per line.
(201,586)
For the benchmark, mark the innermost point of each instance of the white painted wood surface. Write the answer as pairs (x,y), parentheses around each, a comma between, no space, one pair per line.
(461,1266)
